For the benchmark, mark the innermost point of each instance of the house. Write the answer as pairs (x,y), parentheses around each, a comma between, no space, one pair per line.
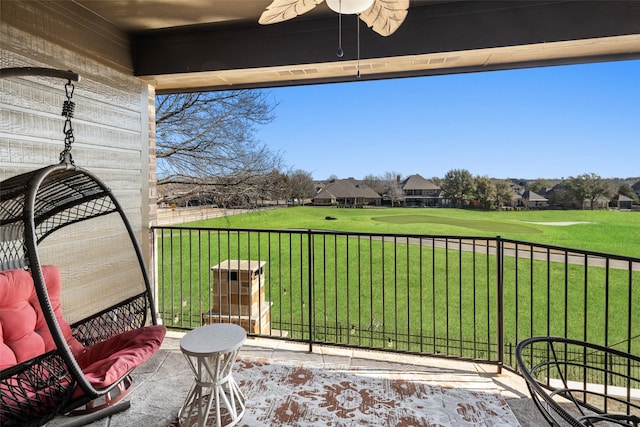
(620,201)
(532,200)
(346,193)
(601,202)
(419,191)
(559,197)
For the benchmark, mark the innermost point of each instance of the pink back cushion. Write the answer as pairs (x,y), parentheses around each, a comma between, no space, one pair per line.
(24,332)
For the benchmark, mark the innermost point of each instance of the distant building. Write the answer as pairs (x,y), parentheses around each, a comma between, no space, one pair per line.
(346,193)
(531,200)
(620,201)
(559,198)
(601,202)
(419,191)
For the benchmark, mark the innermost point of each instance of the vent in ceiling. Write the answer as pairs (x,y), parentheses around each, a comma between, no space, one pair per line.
(298,72)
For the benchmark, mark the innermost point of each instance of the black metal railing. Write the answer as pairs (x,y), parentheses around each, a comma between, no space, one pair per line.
(471,298)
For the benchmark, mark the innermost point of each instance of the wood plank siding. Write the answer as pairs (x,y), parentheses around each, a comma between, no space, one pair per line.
(113,127)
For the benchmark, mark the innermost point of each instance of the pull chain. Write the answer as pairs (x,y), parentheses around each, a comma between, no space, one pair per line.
(68,108)
(358,63)
(340,52)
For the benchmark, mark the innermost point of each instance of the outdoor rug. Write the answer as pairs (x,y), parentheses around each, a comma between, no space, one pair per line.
(282,394)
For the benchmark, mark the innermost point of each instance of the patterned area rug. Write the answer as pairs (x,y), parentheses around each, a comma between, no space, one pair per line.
(280,394)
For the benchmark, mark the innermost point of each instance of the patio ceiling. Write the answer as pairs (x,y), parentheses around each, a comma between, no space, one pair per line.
(218,44)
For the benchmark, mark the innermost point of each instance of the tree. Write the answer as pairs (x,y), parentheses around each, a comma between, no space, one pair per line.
(504,194)
(391,188)
(206,139)
(374,182)
(458,186)
(576,190)
(485,191)
(595,187)
(588,186)
(275,186)
(301,185)
(538,185)
(436,180)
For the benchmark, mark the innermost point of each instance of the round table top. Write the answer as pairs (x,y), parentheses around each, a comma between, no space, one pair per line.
(213,339)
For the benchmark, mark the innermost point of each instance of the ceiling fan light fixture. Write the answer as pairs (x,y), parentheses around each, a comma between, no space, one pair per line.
(349,7)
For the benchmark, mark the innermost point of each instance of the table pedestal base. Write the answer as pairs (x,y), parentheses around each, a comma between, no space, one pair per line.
(215,395)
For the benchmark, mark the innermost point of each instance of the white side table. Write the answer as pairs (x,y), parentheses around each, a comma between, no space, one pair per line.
(211,352)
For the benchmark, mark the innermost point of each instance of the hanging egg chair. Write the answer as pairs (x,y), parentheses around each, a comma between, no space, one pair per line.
(49,366)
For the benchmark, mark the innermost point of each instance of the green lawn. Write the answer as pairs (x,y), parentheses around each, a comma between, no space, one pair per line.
(433,297)
(610,232)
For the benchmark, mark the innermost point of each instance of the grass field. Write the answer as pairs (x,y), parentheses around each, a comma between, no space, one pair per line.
(611,232)
(375,293)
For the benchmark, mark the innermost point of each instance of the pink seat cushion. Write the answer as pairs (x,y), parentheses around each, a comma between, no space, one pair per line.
(106,362)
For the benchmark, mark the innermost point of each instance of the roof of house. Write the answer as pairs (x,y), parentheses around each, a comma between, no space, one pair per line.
(417,182)
(561,186)
(346,188)
(531,196)
(636,186)
(621,198)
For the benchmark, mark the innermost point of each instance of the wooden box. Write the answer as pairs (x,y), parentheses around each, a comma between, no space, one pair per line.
(238,287)
(239,296)
(252,324)
(239,303)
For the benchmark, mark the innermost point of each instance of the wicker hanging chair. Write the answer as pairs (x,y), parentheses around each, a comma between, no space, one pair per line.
(49,367)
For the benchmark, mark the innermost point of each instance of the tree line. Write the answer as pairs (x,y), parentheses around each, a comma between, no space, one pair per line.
(463,189)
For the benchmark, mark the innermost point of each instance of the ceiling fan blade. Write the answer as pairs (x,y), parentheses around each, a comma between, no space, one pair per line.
(283,10)
(385,16)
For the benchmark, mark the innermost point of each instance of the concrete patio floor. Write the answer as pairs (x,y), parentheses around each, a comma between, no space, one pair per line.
(161,385)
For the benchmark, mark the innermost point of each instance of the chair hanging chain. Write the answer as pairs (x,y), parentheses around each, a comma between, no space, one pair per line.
(68,107)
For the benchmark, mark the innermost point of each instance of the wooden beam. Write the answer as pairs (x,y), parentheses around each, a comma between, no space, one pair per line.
(439,27)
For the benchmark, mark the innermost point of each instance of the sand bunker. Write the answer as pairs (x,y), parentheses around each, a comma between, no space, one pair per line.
(559,223)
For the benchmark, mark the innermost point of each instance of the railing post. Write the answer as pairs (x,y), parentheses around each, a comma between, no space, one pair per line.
(500,301)
(310,284)
(153,278)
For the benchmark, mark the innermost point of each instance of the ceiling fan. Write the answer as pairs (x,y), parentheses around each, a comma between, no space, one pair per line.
(382,16)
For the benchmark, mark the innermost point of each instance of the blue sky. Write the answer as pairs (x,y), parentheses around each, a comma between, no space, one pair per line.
(550,122)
